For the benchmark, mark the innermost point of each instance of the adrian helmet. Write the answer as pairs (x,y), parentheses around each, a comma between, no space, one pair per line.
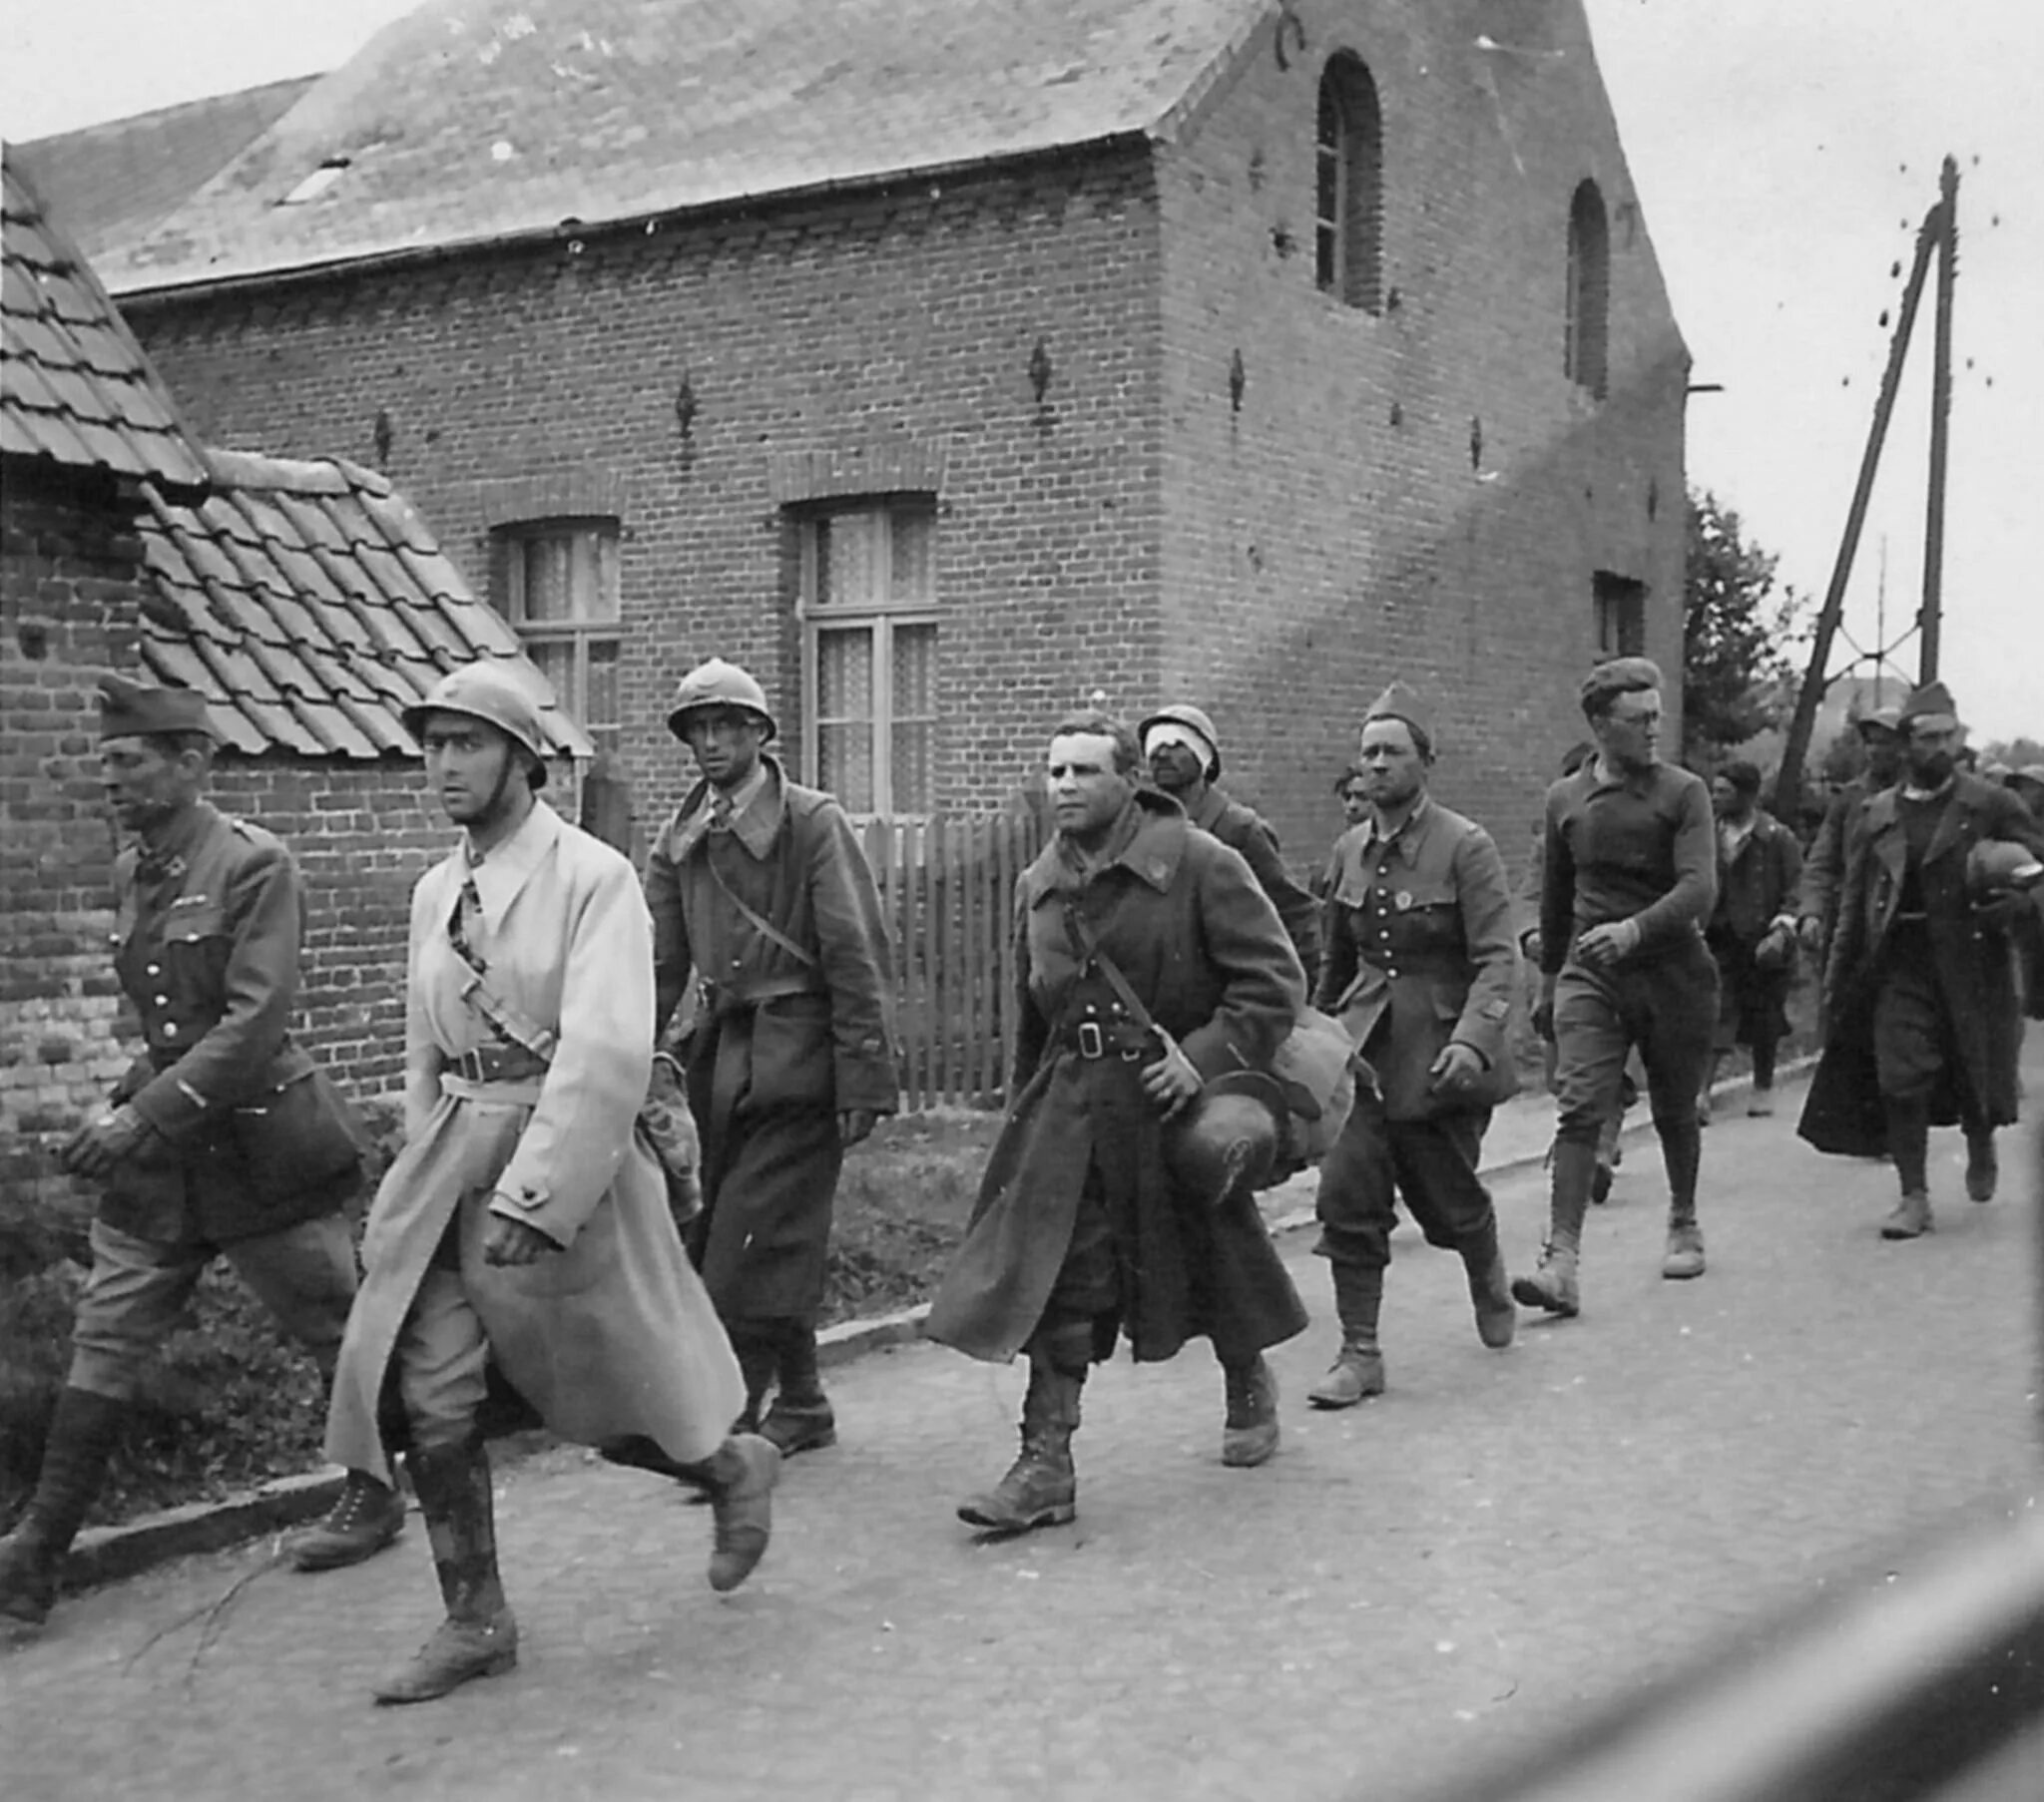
(491,691)
(718,684)
(1195,719)
(1994,864)
(1229,1137)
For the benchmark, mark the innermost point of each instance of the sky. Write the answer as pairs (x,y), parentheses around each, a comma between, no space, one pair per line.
(1785,153)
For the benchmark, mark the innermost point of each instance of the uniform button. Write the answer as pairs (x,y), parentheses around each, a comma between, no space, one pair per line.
(154,970)
(170,1029)
(162,1001)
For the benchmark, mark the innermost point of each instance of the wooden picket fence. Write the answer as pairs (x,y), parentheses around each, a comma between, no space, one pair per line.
(947,887)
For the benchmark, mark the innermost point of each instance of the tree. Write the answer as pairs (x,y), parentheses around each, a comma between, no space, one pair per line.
(1737,679)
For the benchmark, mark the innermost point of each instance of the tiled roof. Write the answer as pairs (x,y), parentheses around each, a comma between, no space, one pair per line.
(111,182)
(75,388)
(471,121)
(310,605)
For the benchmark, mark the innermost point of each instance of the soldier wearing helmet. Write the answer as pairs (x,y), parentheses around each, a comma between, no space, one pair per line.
(1923,1016)
(759,888)
(1183,751)
(1155,973)
(221,1138)
(525,1225)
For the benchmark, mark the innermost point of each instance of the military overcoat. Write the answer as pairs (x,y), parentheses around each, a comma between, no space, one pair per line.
(613,1335)
(1203,948)
(1973,962)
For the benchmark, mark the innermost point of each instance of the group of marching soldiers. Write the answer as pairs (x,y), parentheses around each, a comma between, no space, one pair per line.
(538,1251)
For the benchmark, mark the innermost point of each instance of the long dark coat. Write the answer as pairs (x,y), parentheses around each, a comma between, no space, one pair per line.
(1204,949)
(783,1038)
(1974,965)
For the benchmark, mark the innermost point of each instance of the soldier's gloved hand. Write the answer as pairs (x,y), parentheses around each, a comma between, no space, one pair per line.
(1173,1081)
(853,1125)
(507,1241)
(99,1144)
(1457,1070)
(1810,930)
(1543,1010)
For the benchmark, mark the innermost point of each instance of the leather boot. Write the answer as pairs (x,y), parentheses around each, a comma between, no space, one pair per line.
(1912,1219)
(1250,1436)
(365,1516)
(801,1419)
(1359,1367)
(1490,1290)
(480,1639)
(739,1479)
(1552,1286)
(1041,1488)
(1683,1256)
(83,1433)
(1984,1167)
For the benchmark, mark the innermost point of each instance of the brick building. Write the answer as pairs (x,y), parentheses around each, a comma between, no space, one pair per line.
(306,600)
(950,360)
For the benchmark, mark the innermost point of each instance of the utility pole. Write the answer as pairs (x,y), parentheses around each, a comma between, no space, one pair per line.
(1933,617)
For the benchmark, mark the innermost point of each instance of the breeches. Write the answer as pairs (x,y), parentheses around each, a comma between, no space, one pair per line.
(439,1360)
(1915,1040)
(1666,1009)
(140,1291)
(1432,1161)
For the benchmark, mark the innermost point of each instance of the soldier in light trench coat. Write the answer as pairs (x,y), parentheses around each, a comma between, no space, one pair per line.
(525,1222)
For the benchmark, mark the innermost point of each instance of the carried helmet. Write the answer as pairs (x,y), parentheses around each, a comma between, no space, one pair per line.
(1228,1137)
(1183,714)
(718,684)
(487,691)
(1995,864)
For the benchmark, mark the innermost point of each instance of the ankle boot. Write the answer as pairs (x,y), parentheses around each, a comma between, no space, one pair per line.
(1552,1286)
(1490,1290)
(83,1433)
(1250,1435)
(480,1639)
(1359,1367)
(1912,1219)
(1683,1255)
(366,1517)
(1041,1488)
(1984,1167)
(801,1419)
(738,1479)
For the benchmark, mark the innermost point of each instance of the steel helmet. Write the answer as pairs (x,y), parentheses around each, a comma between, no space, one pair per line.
(1183,714)
(1230,1136)
(718,684)
(1999,863)
(491,691)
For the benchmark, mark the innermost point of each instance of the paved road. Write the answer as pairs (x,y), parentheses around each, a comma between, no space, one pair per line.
(1431,1580)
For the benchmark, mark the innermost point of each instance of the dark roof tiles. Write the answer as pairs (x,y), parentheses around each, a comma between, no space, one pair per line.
(310,605)
(75,388)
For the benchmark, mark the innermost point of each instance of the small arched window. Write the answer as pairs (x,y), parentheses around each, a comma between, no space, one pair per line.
(1585,356)
(1349,199)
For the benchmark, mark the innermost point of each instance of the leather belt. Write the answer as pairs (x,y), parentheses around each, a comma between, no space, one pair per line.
(496,1064)
(1092,1039)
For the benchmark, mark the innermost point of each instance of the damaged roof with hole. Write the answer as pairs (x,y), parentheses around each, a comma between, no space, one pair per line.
(473,121)
(110,183)
(309,604)
(76,391)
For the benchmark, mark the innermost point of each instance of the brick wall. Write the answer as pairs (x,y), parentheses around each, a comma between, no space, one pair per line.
(69,560)
(1420,493)
(881,333)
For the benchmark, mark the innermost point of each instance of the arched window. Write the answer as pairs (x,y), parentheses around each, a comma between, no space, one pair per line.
(1349,199)
(1585,356)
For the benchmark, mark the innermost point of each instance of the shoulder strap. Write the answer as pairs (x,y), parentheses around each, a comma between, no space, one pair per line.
(758,920)
(501,1017)
(1086,943)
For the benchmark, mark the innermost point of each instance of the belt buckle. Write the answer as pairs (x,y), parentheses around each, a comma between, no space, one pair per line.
(1091,1044)
(469,1063)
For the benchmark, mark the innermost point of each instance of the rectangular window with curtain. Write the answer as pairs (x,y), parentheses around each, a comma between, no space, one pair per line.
(869,656)
(557,583)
